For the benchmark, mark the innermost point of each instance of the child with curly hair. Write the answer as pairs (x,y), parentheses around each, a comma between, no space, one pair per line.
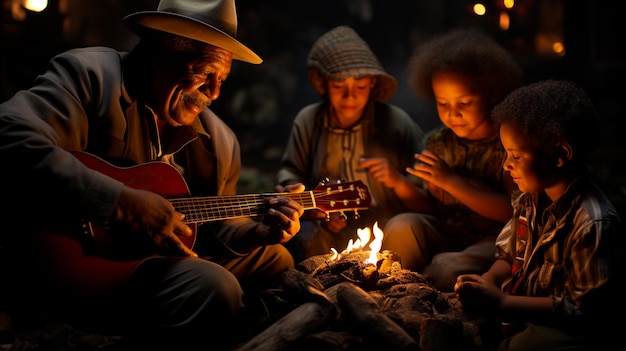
(559,269)
(467,197)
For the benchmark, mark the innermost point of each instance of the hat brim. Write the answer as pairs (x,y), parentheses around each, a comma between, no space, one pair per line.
(189,28)
(385,87)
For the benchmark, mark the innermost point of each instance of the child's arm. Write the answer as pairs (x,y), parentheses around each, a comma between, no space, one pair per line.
(500,270)
(482,294)
(436,171)
(414,198)
(526,307)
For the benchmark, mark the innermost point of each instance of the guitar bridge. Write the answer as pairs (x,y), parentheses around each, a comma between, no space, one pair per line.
(85,237)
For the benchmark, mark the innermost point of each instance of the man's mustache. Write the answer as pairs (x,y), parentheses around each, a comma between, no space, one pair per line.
(196,100)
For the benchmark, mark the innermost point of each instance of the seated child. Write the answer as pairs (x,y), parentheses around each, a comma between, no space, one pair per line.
(559,270)
(467,198)
(351,134)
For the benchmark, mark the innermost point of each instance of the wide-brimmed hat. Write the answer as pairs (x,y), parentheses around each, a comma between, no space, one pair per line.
(210,21)
(341,53)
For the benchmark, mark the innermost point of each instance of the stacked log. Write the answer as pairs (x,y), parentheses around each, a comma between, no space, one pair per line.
(340,306)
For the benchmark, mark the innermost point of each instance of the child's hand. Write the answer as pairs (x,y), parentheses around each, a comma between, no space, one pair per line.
(478,294)
(380,170)
(432,169)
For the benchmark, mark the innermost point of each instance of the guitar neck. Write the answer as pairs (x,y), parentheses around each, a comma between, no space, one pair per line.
(213,208)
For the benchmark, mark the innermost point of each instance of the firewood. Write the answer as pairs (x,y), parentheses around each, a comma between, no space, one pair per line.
(357,305)
(289,331)
(300,287)
(331,292)
(441,334)
(329,340)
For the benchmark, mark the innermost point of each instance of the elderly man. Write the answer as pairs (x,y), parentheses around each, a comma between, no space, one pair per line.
(91,221)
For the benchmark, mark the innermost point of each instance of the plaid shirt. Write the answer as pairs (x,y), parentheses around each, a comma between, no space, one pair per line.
(479,162)
(570,252)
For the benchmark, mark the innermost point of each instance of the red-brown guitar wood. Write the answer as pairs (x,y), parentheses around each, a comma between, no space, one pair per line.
(102,256)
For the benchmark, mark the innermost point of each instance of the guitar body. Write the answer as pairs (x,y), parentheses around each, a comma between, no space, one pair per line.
(158,177)
(92,258)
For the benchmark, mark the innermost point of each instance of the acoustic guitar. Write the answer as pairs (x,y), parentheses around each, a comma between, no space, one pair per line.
(101,256)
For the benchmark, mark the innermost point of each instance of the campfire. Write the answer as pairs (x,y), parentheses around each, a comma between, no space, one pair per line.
(354,263)
(363,237)
(359,298)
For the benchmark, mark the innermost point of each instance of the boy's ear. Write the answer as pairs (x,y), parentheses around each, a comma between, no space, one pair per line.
(564,153)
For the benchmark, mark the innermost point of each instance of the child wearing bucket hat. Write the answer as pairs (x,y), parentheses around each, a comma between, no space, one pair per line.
(98,243)
(352,134)
(468,195)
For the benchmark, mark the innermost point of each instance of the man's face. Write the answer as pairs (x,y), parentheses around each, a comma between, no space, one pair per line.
(182,92)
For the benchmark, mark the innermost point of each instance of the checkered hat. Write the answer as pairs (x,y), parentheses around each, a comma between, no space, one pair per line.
(341,53)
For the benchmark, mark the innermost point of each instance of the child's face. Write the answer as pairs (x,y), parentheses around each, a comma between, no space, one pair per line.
(461,106)
(529,169)
(348,99)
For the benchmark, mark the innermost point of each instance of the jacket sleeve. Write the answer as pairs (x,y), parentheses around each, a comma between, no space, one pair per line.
(412,139)
(39,126)
(296,161)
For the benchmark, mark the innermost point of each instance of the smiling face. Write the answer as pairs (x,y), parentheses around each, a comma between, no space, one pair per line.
(348,99)
(461,106)
(180,93)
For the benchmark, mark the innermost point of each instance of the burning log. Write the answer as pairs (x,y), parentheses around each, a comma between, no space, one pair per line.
(362,309)
(293,328)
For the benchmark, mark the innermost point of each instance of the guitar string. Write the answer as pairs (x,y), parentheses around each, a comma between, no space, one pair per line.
(235,203)
(200,212)
(248,204)
(320,198)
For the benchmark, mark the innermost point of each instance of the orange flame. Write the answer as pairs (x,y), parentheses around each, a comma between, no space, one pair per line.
(364,235)
(375,245)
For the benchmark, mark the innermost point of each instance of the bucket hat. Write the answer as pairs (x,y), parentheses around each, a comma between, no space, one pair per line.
(341,53)
(210,21)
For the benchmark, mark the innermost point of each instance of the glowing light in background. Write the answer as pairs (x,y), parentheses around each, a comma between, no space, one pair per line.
(558,48)
(35,5)
(479,9)
(509,3)
(505,21)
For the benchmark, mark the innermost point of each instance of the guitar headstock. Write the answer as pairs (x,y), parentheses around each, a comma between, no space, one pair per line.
(339,197)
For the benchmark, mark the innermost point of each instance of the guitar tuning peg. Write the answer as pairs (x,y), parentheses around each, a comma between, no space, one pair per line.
(343,216)
(327,217)
(356,214)
(324,181)
(342,180)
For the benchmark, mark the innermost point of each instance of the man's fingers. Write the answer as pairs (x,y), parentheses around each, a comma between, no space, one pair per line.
(182,229)
(295,188)
(285,217)
(287,207)
(173,245)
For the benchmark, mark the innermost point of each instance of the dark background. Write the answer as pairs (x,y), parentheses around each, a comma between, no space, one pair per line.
(260,101)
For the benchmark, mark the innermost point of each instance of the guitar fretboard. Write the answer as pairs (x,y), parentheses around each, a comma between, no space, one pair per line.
(212,208)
